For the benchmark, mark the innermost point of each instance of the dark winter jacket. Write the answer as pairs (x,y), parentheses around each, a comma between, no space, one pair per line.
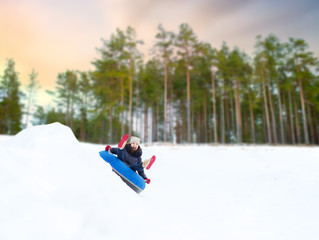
(132,159)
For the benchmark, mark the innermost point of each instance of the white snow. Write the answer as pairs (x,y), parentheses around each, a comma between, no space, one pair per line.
(54,187)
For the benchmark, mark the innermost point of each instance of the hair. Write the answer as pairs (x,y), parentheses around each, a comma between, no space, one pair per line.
(131,151)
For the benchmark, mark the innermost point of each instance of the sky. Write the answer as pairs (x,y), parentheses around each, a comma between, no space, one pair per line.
(52,36)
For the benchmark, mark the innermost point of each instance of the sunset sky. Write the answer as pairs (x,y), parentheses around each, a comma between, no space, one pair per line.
(52,36)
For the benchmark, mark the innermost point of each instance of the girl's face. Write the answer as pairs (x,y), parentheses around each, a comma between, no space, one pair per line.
(134,146)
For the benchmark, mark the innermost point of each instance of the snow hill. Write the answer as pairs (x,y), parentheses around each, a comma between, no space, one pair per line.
(54,187)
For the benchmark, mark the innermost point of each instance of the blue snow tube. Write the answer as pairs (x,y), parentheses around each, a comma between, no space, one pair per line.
(131,178)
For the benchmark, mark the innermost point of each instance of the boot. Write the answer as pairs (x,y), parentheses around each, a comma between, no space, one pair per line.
(148,163)
(123,141)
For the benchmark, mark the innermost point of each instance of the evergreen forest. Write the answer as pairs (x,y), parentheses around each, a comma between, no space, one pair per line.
(187,91)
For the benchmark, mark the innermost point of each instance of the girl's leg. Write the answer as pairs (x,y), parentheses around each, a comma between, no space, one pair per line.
(120,155)
(137,167)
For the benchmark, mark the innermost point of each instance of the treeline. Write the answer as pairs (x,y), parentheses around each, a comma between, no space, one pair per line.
(188,91)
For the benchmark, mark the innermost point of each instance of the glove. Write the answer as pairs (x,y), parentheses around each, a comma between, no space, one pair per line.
(146,180)
(107,148)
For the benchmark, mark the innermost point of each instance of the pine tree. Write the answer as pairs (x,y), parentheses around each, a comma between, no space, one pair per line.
(31,92)
(84,98)
(132,55)
(186,40)
(300,64)
(67,87)
(165,42)
(10,106)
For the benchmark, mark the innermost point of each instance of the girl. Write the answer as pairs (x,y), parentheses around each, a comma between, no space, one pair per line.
(131,155)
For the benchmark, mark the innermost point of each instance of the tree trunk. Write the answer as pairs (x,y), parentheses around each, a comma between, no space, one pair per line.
(137,108)
(189,138)
(272,111)
(238,112)
(172,120)
(155,123)
(316,128)
(266,108)
(82,127)
(281,122)
(222,119)
(28,107)
(304,116)
(214,108)
(198,126)
(165,100)
(122,118)
(205,129)
(233,127)
(252,120)
(226,110)
(111,124)
(67,115)
(131,98)
(291,117)
(310,123)
(146,136)
(297,123)
(72,110)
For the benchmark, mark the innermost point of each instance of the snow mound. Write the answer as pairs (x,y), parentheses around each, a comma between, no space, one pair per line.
(53,188)
(45,137)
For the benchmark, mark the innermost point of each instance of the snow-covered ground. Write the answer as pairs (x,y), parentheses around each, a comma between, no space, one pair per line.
(54,187)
